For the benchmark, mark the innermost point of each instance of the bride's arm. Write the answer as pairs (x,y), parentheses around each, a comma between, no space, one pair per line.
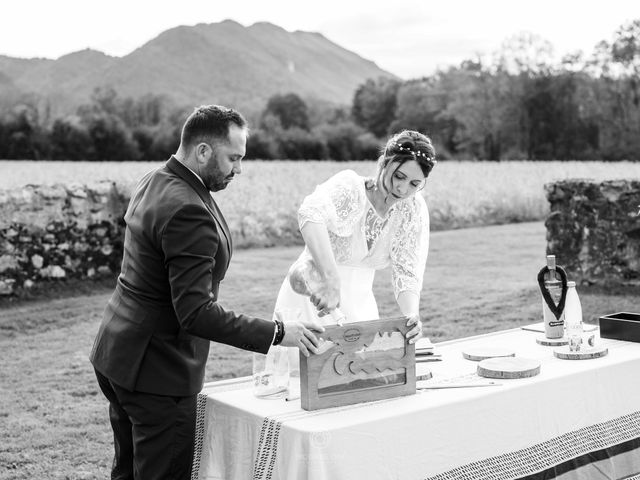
(333,206)
(409,304)
(316,237)
(409,247)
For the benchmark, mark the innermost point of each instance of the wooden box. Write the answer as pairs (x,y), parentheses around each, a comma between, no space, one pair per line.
(368,361)
(620,326)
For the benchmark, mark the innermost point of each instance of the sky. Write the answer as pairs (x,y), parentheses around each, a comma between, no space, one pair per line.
(409,38)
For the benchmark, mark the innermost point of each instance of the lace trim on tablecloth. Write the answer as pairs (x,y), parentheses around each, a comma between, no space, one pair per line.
(267,449)
(547,454)
(199,435)
(201,410)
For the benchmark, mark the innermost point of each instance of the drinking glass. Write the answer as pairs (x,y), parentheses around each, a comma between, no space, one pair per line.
(271,373)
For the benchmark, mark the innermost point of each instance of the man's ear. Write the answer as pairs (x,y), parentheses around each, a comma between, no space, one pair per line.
(201,150)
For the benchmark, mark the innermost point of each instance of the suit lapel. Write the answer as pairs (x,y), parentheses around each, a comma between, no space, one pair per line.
(223,224)
(189,177)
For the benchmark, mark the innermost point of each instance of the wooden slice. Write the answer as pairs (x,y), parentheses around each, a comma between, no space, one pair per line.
(585,353)
(482,353)
(508,367)
(552,342)
(423,374)
(424,346)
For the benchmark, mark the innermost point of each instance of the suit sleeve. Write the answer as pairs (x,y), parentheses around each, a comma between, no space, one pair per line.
(189,243)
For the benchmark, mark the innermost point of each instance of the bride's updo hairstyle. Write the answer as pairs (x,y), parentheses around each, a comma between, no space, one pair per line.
(409,145)
(403,147)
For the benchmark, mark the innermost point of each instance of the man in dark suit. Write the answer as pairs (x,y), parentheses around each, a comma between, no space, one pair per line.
(153,342)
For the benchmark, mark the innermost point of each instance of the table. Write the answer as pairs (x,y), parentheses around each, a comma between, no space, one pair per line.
(577,419)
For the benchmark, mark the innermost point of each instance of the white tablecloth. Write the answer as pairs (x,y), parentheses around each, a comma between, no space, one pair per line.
(576,419)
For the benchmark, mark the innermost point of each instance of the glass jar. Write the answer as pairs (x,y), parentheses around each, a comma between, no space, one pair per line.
(271,373)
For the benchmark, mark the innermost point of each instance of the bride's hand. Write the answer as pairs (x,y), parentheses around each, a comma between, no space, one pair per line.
(326,298)
(415,333)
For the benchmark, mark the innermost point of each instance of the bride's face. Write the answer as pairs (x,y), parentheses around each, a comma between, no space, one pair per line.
(402,181)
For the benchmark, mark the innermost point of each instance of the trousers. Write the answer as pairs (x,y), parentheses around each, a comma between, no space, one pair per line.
(153,435)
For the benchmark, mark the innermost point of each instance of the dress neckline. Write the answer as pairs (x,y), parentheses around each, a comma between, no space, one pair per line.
(372,206)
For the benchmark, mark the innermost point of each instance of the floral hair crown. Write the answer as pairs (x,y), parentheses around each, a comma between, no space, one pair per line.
(417,153)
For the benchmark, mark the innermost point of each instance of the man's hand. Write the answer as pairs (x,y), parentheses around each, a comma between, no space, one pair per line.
(300,334)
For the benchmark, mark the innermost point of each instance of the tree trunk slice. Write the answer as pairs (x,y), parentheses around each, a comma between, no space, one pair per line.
(552,342)
(585,353)
(508,367)
(482,353)
(423,374)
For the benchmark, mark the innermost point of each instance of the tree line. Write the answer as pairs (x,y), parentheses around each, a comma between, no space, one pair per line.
(517,104)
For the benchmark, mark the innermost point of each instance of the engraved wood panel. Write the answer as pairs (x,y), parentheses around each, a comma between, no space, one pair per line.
(367,361)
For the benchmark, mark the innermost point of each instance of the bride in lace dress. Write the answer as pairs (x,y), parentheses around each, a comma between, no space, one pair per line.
(353,226)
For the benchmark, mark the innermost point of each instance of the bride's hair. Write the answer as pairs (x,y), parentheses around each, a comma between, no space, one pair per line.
(409,145)
(405,146)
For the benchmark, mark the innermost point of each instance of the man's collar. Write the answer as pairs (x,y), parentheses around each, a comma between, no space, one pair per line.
(192,171)
(190,177)
(197,176)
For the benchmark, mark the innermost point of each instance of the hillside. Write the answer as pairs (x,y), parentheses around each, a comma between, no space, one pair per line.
(222,62)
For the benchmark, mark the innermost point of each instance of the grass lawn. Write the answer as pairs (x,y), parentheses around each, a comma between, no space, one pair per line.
(54,423)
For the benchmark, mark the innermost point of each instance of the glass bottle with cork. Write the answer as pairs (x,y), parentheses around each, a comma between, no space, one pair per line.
(552,280)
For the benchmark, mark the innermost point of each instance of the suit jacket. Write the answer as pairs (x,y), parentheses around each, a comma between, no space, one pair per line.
(155,331)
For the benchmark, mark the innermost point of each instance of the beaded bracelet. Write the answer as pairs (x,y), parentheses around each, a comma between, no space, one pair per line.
(279,332)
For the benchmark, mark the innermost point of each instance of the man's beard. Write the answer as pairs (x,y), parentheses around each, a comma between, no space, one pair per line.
(216,181)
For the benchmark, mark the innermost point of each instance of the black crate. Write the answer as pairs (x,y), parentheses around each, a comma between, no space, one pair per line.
(621,326)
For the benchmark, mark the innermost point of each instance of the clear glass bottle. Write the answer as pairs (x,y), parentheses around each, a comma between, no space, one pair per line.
(573,318)
(553,327)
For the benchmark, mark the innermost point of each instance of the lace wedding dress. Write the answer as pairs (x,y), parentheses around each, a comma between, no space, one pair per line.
(362,242)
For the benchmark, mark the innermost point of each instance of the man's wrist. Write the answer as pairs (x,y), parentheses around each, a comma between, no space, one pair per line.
(279,332)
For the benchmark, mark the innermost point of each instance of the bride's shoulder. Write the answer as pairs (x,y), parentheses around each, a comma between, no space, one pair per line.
(411,208)
(414,203)
(347,176)
(420,202)
(347,180)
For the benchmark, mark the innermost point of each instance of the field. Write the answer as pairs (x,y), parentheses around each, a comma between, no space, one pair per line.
(260,205)
(54,422)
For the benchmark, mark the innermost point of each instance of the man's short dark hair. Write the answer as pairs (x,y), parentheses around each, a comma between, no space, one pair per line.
(209,122)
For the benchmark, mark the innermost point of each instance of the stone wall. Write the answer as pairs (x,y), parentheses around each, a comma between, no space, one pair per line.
(59,232)
(594,230)
(53,233)
(48,233)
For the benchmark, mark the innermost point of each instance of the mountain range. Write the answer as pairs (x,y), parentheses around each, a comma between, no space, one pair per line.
(225,63)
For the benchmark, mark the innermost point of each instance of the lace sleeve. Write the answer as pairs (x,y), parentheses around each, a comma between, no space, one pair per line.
(335,203)
(409,246)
